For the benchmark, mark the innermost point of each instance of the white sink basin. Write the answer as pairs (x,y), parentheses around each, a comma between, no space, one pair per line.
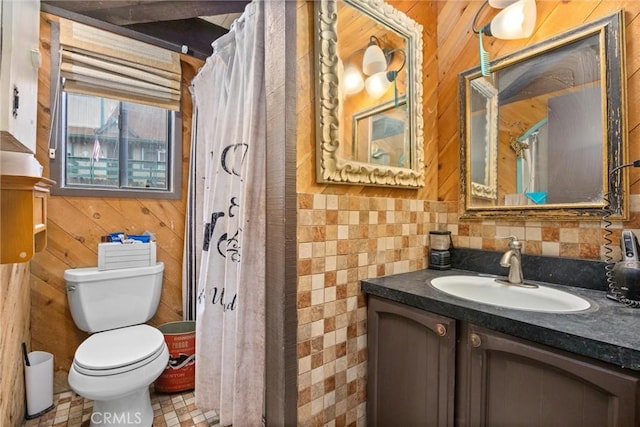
(489,291)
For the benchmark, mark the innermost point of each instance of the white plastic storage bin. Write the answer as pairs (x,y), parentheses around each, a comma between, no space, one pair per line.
(112,256)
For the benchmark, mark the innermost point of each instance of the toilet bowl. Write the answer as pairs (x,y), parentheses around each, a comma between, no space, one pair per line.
(115,368)
(115,365)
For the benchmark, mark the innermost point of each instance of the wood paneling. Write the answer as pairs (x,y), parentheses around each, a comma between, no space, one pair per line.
(458,51)
(14,330)
(281,320)
(76,224)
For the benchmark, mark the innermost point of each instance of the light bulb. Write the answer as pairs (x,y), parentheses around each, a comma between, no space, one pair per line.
(516,21)
(353,82)
(377,84)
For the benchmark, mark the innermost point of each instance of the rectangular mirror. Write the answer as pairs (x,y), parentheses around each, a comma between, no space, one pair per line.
(483,147)
(381,135)
(368,94)
(541,134)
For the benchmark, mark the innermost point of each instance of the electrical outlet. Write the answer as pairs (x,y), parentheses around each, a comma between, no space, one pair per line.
(52,153)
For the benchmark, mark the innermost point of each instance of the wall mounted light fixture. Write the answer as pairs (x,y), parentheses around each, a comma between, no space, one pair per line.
(375,62)
(516,20)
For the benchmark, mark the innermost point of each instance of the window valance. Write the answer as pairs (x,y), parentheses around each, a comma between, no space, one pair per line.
(101,63)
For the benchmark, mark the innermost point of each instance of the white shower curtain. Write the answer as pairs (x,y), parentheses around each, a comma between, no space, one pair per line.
(227,201)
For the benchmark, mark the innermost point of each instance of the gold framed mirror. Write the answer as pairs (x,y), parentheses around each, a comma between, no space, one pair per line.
(541,134)
(391,153)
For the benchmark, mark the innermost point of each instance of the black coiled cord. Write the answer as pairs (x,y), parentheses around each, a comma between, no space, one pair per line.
(614,291)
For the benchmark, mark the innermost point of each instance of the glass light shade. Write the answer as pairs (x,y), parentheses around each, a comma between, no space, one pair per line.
(377,84)
(501,4)
(374,60)
(353,81)
(515,21)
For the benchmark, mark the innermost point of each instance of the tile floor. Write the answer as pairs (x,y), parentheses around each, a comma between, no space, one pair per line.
(170,410)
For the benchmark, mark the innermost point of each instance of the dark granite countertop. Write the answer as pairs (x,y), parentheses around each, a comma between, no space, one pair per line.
(608,331)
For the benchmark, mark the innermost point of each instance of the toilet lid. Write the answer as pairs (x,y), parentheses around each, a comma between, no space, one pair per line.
(118,349)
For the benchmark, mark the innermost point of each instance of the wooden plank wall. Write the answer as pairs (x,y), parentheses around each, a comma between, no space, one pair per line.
(14,330)
(458,51)
(75,225)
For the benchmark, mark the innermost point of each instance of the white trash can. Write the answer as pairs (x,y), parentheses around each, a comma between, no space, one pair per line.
(39,383)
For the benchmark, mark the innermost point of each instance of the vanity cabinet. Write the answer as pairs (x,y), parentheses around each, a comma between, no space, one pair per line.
(19,74)
(411,366)
(505,381)
(500,380)
(23,217)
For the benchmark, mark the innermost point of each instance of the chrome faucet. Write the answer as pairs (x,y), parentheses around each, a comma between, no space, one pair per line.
(513,259)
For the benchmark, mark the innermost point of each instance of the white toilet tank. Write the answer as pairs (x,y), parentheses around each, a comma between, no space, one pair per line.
(102,300)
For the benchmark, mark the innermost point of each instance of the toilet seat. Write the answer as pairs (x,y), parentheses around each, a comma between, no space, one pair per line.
(118,350)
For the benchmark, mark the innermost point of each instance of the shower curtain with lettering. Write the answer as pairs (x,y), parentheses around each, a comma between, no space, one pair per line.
(227,207)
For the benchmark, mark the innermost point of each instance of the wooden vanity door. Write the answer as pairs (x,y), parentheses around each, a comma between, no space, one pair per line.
(411,362)
(504,381)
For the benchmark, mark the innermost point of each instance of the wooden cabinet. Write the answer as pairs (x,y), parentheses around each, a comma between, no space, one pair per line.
(411,364)
(19,74)
(504,381)
(23,217)
(499,380)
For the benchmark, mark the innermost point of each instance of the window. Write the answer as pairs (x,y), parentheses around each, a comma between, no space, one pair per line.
(115,144)
(117,127)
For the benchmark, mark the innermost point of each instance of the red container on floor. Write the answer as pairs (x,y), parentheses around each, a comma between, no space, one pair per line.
(180,373)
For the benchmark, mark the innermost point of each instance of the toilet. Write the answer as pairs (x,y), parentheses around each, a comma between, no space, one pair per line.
(117,363)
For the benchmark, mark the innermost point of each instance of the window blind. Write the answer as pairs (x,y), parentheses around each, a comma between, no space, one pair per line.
(100,63)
